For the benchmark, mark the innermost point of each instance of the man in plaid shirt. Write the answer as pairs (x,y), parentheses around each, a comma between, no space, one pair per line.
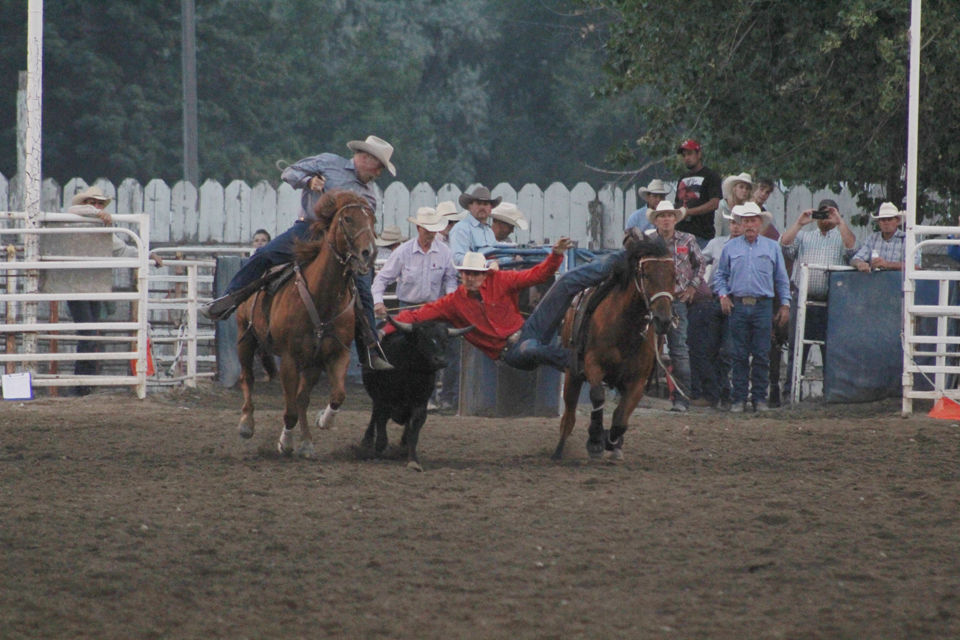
(831,243)
(689,275)
(884,249)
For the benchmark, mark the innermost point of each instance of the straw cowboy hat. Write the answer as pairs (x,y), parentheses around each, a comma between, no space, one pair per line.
(749,210)
(887,210)
(90,193)
(448,210)
(390,235)
(729,181)
(656,187)
(378,148)
(509,213)
(664,207)
(473,261)
(429,219)
(479,193)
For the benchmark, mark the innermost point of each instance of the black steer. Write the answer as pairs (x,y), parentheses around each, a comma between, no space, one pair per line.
(417,352)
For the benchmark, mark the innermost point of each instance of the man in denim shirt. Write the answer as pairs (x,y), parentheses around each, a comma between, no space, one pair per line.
(750,274)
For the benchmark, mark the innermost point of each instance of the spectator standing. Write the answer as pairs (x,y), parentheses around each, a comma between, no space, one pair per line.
(505,217)
(698,194)
(260,238)
(883,249)
(736,190)
(749,274)
(448,211)
(831,243)
(389,239)
(474,233)
(689,266)
(653,194)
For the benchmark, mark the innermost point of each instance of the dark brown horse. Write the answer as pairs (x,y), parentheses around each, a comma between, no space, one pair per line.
(309,321)
(619,343)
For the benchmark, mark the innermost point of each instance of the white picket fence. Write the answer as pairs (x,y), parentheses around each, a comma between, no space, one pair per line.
(217,214)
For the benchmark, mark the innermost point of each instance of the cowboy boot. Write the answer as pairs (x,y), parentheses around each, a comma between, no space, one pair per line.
(376,359)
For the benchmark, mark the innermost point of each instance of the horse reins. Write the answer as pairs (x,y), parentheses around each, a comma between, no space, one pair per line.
(351,254)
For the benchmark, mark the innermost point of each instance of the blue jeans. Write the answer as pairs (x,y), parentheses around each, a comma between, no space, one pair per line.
(536,337)
(679,353)
(710,351)
(750,327)
(85,311)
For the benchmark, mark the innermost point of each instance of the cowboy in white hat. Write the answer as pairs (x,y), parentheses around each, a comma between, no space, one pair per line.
(689,267)
(313,176)
(506,216)
(487,299)
(474,232)
(750,274)
(421,267)
(653,194)
(449,212)
(388,240)
(886,248)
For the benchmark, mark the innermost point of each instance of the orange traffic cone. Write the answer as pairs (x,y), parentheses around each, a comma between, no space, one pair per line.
(945,409)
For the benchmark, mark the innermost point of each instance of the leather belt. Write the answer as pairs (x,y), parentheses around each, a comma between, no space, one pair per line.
(749,300)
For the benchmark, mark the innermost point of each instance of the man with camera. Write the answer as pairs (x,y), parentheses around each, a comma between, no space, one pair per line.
(831,243)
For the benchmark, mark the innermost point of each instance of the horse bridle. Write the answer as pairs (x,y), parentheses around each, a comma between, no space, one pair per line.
(351,255)
(638,283)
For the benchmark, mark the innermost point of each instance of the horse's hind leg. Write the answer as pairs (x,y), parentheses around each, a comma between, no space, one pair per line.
(246,349)
(595,436)
(571,394)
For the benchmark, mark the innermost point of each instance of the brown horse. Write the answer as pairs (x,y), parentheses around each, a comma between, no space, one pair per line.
(309,321)
(619,343)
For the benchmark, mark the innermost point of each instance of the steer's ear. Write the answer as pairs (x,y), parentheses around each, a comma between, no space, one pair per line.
(459,332)
(405,327)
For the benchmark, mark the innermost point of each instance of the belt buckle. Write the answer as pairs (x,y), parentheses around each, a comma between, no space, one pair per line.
(748,300)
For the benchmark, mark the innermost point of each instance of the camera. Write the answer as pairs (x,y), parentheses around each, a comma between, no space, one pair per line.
(821,214)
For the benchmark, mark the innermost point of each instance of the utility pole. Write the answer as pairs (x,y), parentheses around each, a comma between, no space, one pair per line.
(31,176)
(191,161)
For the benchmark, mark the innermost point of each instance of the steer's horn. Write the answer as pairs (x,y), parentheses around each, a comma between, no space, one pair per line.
(459,332)
(406,327)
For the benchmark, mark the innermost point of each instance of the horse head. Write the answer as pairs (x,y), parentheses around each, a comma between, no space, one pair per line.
(351,232)
(654,278)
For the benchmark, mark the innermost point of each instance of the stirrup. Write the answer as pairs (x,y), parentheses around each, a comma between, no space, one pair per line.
(219,309)
(376,359)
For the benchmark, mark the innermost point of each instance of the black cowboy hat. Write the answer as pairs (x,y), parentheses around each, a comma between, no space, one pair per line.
(479,193)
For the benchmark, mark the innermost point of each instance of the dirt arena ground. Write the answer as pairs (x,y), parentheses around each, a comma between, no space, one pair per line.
(153,519)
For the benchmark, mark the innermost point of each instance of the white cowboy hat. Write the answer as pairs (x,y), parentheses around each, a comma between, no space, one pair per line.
(656,186)
(509,213)
(729,181)
(429,219)
(664,206)
(378,148)
(887,210)
(448,210)
(90,193)
(749,210)
(390,235)
(479,193)
(473,261)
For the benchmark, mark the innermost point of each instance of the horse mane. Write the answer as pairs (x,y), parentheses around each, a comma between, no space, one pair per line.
(306,251)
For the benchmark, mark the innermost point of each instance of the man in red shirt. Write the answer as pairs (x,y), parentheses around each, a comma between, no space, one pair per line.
(488,300)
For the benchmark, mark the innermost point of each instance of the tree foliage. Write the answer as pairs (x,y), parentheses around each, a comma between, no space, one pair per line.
(810,91)
(466,90)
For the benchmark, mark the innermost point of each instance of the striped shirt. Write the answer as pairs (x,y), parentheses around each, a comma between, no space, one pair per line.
(816,247)
(892,250)
(420,276)
(687,258)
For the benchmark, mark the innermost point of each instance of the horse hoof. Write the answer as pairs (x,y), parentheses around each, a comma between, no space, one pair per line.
(285,444)
(326,418)
(615,455)
(595,449)
(246,428)
(306,451)
(414,466)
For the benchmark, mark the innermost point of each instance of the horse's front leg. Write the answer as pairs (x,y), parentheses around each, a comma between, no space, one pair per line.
(621,416)
(246,350)
(595,438)
(571,395)
(308,380)
(336,375)
(289,376)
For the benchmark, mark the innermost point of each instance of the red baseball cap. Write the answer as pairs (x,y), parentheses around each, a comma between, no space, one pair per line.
(690,144)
